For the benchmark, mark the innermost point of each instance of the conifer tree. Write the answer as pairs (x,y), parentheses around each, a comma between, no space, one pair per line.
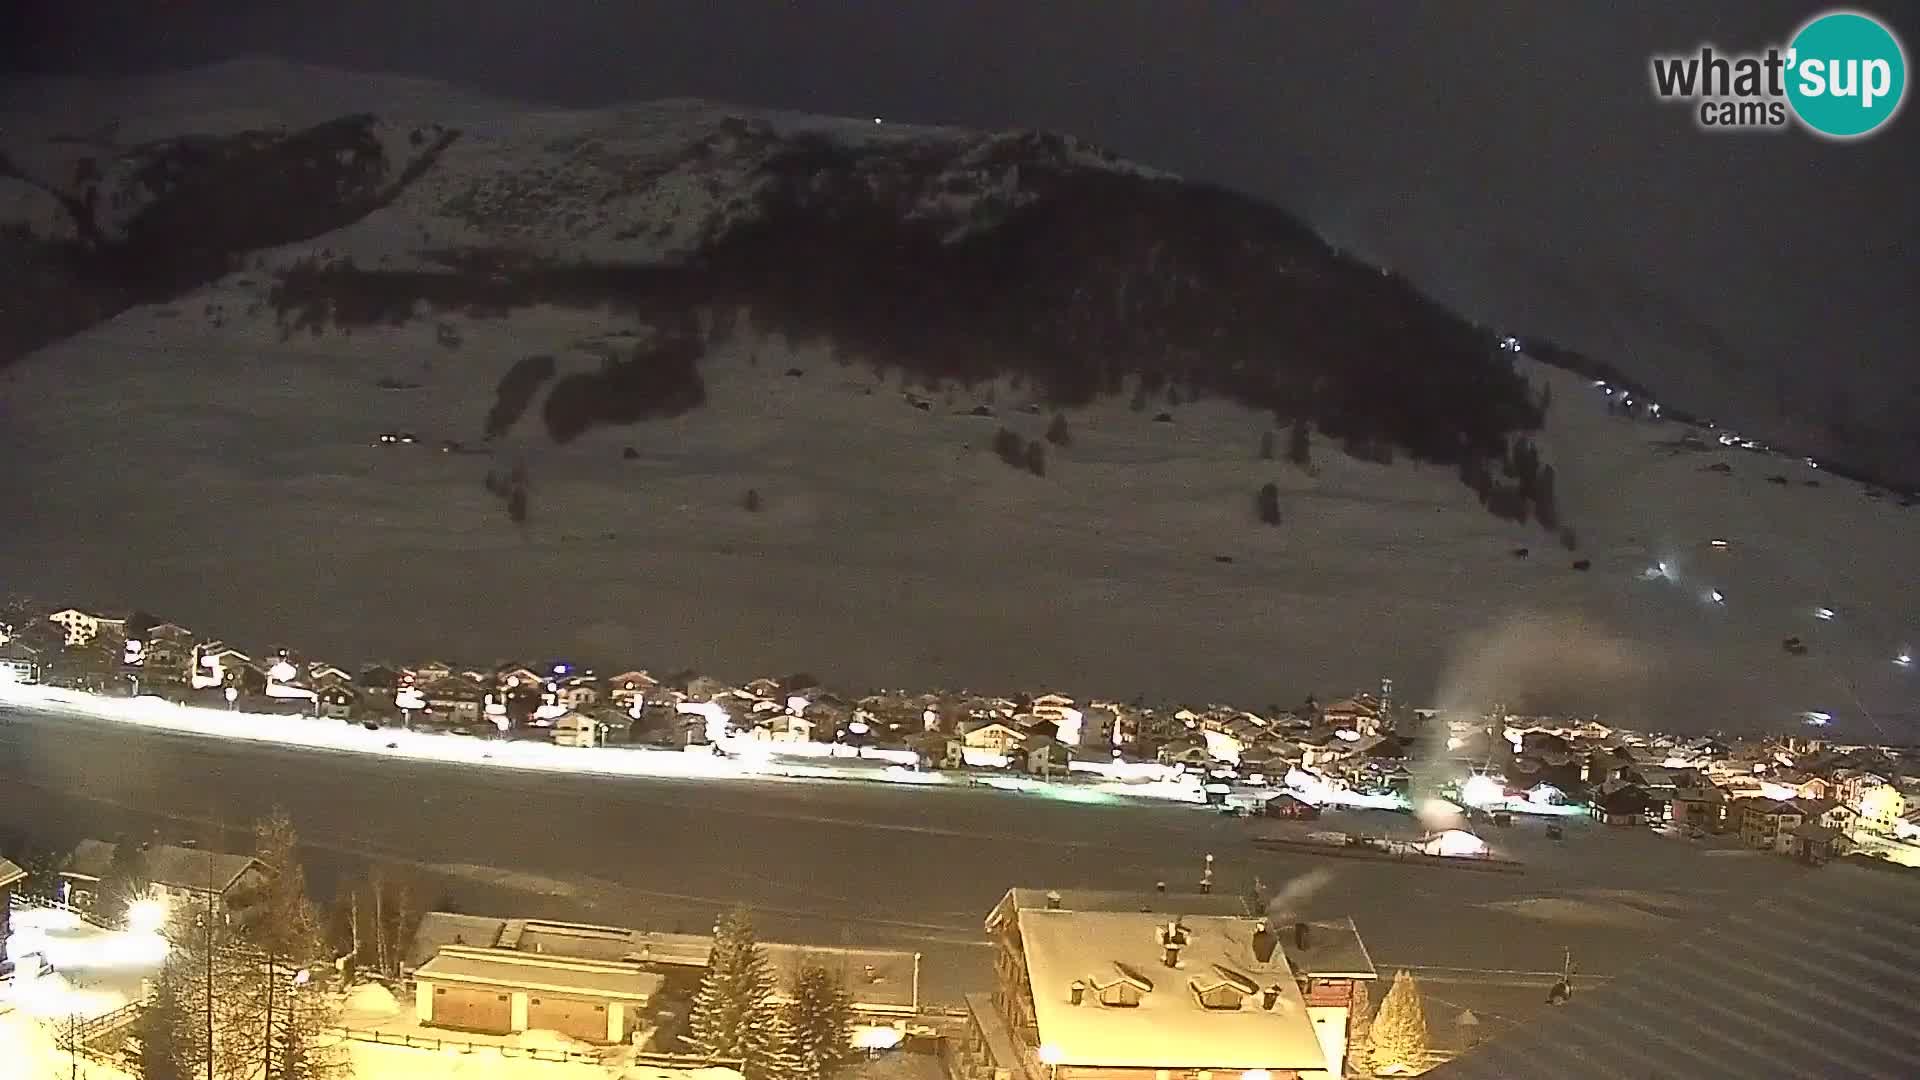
(733,1011)
(1057,432)
(820,1026)
(286,926)
(166,1043)
(1300,443)
(1400,1028)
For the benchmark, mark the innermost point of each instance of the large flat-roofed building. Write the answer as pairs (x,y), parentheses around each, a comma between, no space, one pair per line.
(882,983)
(500,991)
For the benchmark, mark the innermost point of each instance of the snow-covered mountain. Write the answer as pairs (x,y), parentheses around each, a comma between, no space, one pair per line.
(237,279)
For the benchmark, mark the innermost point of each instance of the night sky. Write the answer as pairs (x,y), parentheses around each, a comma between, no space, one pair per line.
(1508,155)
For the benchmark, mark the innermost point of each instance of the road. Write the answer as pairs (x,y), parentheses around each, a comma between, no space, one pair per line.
(836,862)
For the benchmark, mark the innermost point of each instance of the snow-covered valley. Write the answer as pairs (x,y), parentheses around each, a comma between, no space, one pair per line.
(198,457)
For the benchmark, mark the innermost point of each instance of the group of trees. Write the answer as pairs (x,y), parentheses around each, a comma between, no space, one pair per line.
(235,998)
(735,1017)
(1020,453)
(1532,493)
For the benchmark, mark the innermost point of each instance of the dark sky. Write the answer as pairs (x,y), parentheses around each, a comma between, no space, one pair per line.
(1505,153)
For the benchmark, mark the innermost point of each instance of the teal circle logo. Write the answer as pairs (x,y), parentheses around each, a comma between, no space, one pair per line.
(1847,74)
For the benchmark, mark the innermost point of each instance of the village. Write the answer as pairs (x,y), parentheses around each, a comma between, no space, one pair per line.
(1797,795)
(1233,982)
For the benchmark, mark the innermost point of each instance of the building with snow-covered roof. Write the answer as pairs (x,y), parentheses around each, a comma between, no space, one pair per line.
(177,874)
(1116,993)
(881,983)
(500,991)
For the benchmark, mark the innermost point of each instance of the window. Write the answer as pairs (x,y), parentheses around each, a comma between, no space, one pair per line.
(439,991)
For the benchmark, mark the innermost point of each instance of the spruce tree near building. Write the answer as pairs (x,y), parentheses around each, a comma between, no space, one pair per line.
(166,1039)
(819,1024)
(286,927)
(733,1012)
(1399,1034)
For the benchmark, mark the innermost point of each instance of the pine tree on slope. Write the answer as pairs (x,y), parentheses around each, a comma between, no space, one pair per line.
(1400,1027)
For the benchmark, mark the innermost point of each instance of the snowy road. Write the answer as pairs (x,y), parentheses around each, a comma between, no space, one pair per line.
(825,862)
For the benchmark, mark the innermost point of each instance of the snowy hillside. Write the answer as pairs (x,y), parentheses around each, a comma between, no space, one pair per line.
(841,316)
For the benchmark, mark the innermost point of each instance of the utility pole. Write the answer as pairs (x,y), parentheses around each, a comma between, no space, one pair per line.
(209,945)
(266,1046)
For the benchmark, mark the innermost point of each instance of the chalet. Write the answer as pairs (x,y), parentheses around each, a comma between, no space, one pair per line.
(80,627)
(630,686)
(454,699)
(1622,806)
(1815,844)
(338,702)
(579,692)
(1041,755)
(19,662)
(1703,807)
(993,736)
(784,727)
(179,875)
(1266,758)
(166,654)
(218,664)
(1191,752)
(1827,813)
(1105,990)
(1882,806)
(1290,807)
(379,677)
(764,687)
(514,676)
(1767,824)
(431,672)
(577,729)
(322,675)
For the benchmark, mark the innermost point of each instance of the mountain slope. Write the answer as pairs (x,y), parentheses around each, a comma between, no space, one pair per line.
(817,310)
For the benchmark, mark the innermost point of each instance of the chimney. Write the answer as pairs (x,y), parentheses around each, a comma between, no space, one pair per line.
(1270,996)
(1301,934)
(1264,942)
(1053,900)
(1170,955)
(1160,886)
(1077,992)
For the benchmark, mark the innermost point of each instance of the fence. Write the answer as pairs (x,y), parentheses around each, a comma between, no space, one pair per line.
(434,1042)
(520,1053)
(81,1033)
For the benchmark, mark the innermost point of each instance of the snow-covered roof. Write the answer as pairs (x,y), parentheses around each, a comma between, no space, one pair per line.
(879,980)
(165,864)
(439,929)
(1021,899)
(1170,1028)
(9,873)
(559,974)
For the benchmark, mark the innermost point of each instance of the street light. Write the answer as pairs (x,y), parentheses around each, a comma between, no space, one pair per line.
(233,695)
(1050,1054)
